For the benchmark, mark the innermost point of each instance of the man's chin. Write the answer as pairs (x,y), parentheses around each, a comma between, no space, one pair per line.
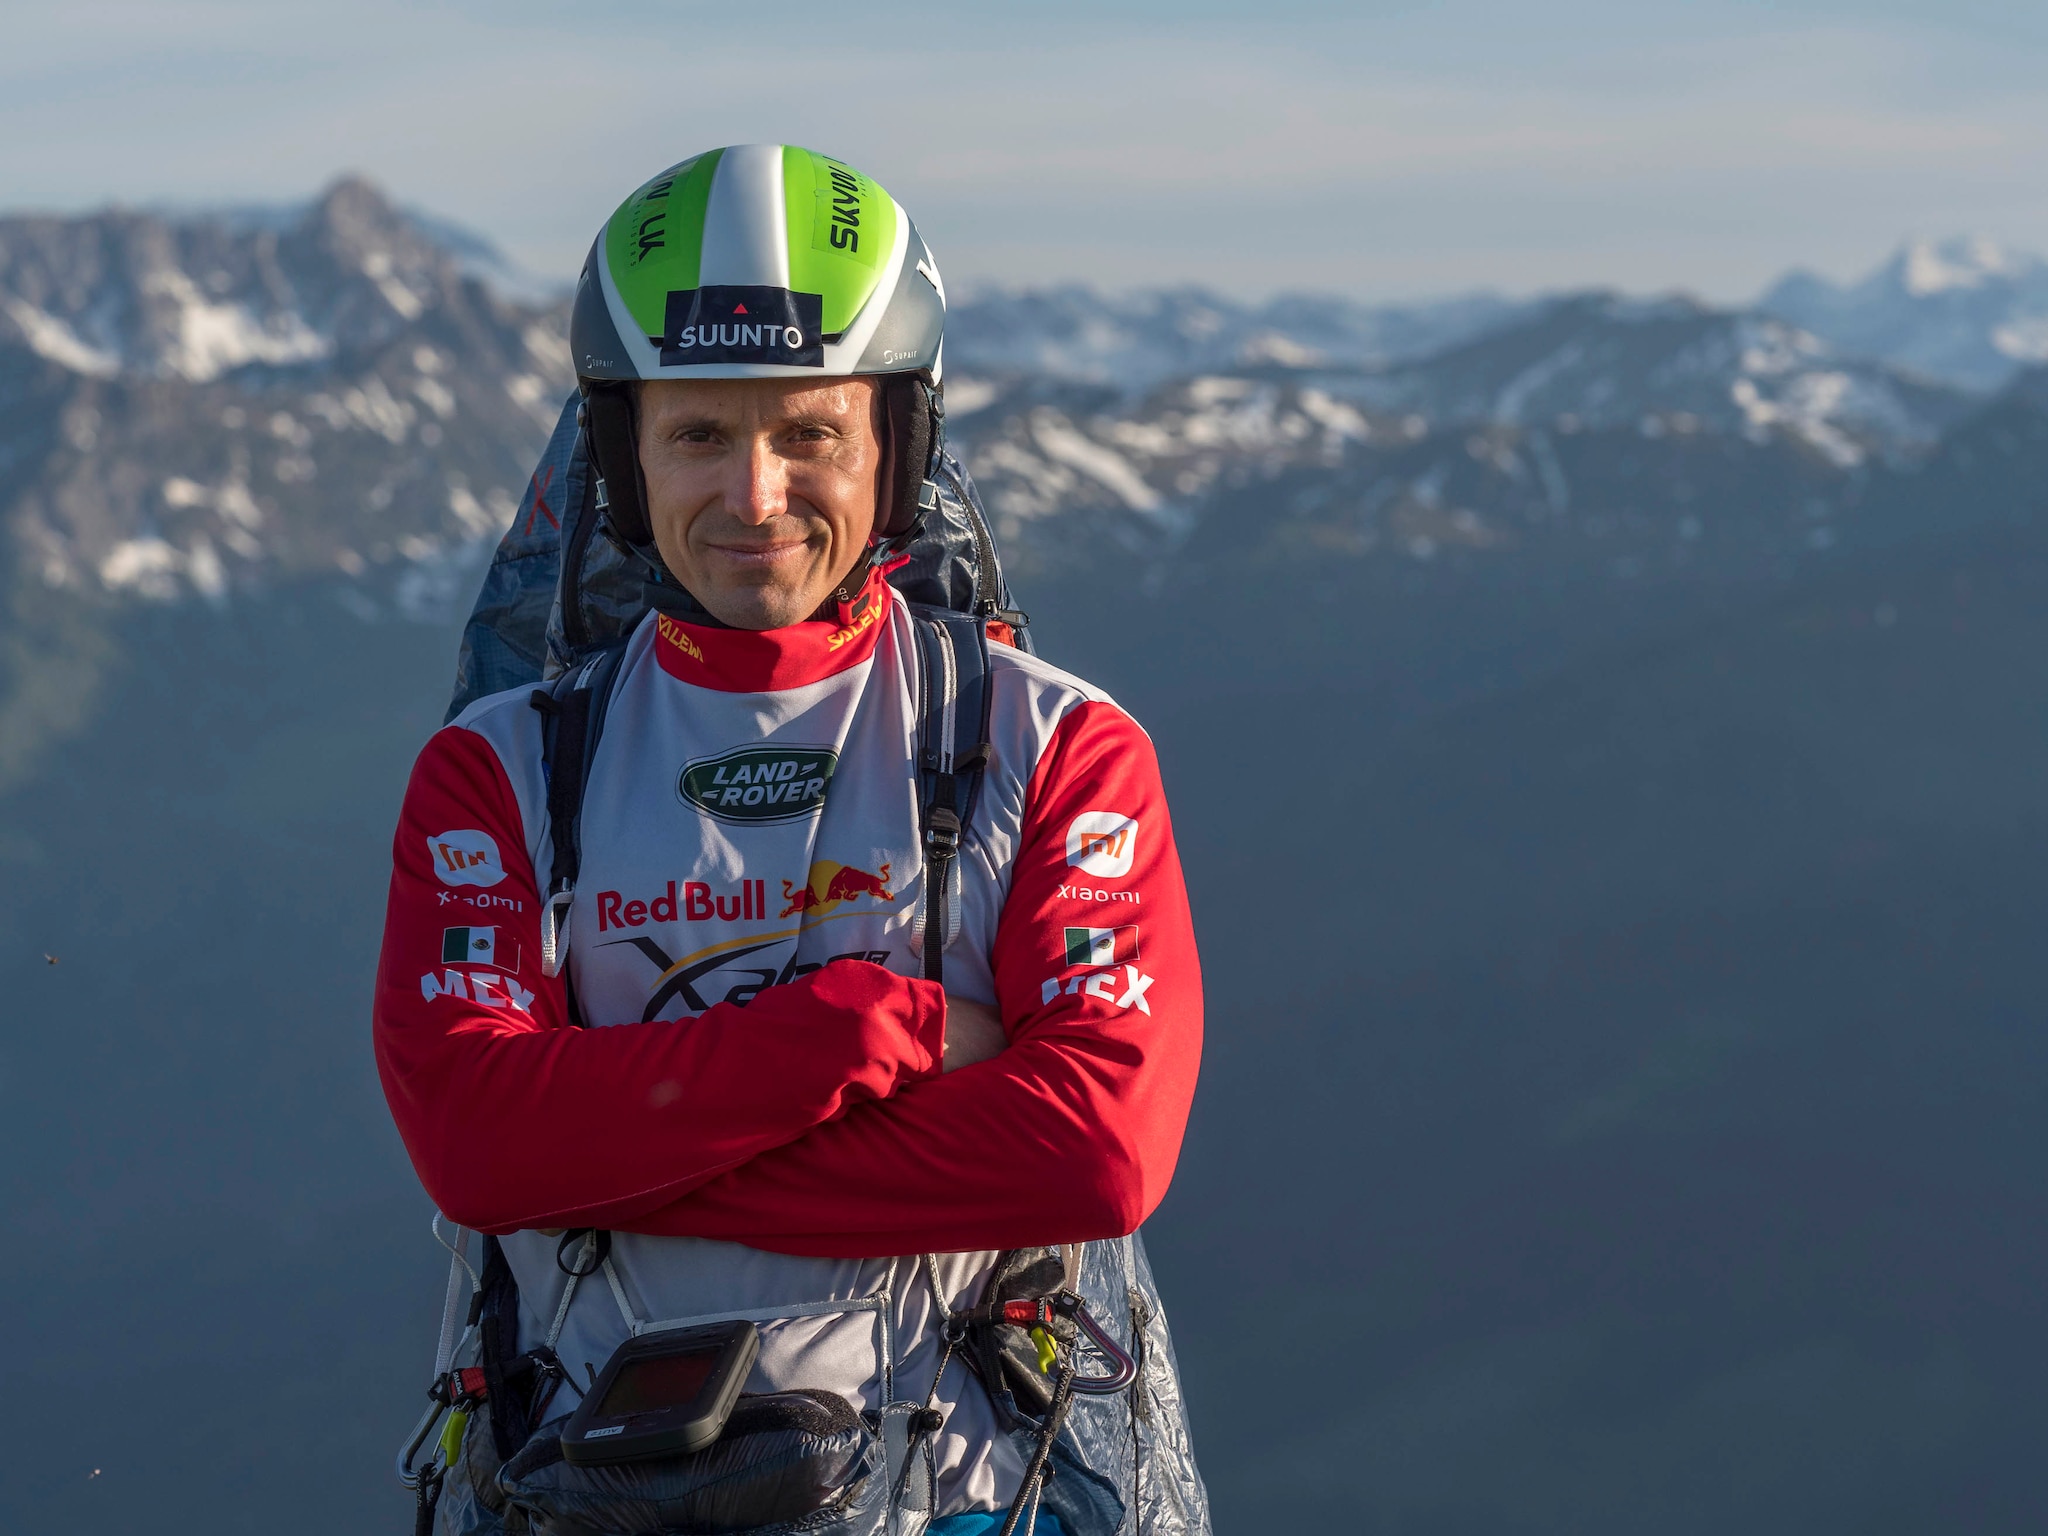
(763,606)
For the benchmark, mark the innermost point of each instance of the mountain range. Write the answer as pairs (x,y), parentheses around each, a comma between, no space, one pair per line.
(1606,751)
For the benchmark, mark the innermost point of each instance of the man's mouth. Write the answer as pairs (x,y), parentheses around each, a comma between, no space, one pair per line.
(759,556)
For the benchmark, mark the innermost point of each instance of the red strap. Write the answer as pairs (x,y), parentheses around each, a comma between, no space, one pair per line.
(467,1385)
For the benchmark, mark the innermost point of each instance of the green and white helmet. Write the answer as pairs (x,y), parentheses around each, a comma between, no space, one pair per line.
(758,261)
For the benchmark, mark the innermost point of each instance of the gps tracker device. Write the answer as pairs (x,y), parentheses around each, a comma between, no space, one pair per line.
(662,1394)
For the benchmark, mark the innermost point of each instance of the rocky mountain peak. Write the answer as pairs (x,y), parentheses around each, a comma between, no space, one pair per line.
(217,400)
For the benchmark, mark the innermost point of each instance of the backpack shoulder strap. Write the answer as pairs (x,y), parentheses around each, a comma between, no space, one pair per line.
(952,751)
(572,710)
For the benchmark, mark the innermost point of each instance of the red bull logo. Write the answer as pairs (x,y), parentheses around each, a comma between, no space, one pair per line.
(831,885)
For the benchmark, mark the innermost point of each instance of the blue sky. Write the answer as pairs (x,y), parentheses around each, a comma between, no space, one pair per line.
(1378,149)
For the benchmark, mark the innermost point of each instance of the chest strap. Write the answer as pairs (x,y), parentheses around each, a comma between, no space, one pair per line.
(952,753)
(572,710)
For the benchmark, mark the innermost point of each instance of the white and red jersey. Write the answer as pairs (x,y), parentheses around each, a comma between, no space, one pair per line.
(756,1110)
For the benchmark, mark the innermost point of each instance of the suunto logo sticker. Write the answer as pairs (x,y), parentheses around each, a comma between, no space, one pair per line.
(759,783)
(742,324)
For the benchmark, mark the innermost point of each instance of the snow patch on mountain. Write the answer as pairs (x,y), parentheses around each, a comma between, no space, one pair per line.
(1058,440)
(155,569)
(206,340)
(1926,267)
(49,337)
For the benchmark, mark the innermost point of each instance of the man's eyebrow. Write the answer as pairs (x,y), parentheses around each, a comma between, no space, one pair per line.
(691,424)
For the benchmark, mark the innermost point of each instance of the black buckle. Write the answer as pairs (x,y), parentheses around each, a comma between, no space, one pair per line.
(942,829)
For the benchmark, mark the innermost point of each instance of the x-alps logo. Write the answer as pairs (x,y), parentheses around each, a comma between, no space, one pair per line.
(466,857)
(739,323)
(1102,843)
(730,972)
(759,783)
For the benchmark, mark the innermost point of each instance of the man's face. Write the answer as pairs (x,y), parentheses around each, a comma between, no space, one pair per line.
(761,492)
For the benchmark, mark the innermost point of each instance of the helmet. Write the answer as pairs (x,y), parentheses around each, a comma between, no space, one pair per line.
(761,261)
(758,261)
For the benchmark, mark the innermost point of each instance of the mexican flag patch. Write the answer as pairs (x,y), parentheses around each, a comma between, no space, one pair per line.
(478,946)
(1101,946)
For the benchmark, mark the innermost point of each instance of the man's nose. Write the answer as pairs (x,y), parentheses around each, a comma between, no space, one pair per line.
(759,488)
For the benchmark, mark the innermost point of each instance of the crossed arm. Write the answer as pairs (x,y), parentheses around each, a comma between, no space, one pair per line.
(852,1112)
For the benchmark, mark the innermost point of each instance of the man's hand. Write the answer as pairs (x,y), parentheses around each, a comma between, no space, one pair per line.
(974,1032)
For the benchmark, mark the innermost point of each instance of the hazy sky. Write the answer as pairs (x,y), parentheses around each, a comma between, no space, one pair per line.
(1379,149)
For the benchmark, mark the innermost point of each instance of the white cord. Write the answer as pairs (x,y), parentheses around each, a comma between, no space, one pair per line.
(569,1290)
(452,1303)
(619,1295)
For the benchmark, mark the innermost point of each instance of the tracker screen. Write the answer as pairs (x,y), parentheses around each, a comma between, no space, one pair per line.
(666,1381)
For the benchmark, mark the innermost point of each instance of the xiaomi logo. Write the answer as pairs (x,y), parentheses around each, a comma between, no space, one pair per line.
(1102,843)
(467,857)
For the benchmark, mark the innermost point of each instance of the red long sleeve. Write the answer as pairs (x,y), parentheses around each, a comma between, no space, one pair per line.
(1070,1134)
(516,1119)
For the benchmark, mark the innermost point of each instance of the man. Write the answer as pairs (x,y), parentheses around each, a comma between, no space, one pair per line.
(742,1076)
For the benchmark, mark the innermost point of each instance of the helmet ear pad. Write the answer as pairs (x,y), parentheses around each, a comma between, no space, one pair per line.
(910,429)
(609,422)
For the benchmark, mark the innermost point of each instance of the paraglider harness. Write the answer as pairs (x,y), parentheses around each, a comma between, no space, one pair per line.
(1022,1341)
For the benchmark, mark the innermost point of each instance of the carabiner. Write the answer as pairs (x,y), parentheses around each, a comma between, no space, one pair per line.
(428,1420)
(1125,1370)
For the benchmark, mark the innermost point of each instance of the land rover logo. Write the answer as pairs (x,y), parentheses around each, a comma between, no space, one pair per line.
(759,783)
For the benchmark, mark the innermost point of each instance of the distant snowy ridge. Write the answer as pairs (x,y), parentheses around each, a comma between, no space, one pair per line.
(1134,341)
(1602,360)
(1964,311)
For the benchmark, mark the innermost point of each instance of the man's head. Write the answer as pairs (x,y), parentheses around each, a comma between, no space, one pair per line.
(779,319)
(761,493)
